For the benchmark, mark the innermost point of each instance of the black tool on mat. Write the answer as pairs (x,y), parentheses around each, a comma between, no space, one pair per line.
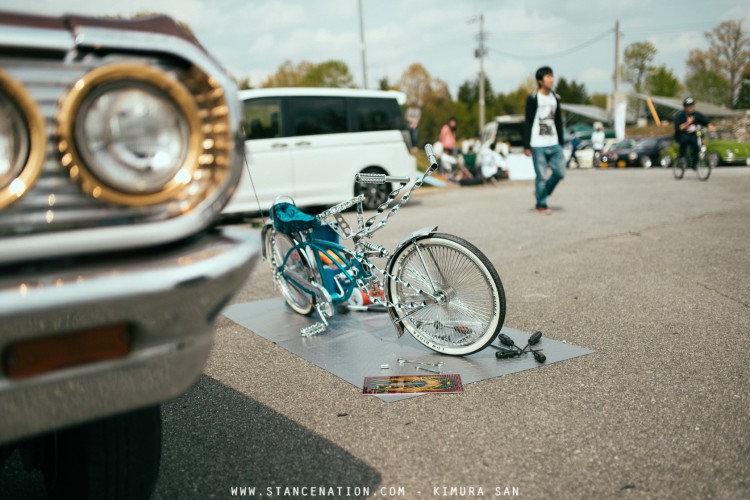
(509,349)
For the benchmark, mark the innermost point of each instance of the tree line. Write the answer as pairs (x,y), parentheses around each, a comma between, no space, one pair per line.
(719,75)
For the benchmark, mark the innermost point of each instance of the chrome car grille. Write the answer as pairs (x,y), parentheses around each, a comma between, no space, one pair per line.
(56,202)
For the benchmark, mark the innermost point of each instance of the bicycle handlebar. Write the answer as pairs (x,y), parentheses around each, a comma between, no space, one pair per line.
(366,178)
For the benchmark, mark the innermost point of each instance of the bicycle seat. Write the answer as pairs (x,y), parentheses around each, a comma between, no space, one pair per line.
(287,218)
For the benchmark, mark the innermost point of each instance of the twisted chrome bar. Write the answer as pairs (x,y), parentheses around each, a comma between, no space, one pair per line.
(368,230)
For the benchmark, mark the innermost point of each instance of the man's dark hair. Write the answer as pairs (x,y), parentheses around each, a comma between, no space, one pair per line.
(542,72)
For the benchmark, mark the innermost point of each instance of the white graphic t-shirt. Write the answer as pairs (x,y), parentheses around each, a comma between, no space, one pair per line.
(543,131)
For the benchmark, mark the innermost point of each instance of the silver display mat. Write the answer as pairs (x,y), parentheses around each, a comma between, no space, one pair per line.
(357,344)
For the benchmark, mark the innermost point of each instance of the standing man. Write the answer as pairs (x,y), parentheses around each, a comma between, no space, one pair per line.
(543,137)
(574,143)
(685,126)
(597,142)
(413,115)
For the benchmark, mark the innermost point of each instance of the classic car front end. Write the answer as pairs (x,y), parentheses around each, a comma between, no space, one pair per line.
(118,151)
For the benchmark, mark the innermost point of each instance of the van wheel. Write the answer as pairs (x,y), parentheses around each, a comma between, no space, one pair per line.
(375,194)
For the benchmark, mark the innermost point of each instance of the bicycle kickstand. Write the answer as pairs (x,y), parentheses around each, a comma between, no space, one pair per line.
(317,327)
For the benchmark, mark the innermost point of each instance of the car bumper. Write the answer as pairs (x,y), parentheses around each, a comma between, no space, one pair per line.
(167,299)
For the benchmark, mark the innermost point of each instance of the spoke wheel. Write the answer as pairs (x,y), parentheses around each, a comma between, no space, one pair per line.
(679,167)
(278,246)
(446,294)
(375,194)
(704,169)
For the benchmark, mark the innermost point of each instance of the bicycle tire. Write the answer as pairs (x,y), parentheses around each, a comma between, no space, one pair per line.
(473,312)
(703,169)
(679,167)
(278,246)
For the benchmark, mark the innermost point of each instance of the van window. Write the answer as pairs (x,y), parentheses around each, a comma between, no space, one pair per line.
(370,114)
(512,133)
(262,118)
(315,115)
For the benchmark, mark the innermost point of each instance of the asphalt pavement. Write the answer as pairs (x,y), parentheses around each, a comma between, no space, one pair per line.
(651,273)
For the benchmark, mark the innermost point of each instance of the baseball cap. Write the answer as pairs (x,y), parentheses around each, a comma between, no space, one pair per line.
(688,101)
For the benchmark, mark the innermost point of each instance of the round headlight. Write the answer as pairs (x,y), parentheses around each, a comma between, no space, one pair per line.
(14,143)
(22,140)
(633,156)
(131,134)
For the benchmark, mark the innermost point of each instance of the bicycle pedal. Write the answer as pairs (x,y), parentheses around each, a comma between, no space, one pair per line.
(314,329)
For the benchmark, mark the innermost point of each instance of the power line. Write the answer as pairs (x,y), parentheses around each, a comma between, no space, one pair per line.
(556,54)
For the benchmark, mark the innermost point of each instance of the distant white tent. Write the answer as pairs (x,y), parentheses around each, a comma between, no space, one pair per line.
(708,109)
(594,113)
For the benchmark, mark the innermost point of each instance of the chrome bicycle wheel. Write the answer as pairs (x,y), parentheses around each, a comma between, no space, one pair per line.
(679,167)
(446,294)
(278,248)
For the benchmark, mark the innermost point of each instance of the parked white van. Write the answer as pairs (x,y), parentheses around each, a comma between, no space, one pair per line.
(309,143)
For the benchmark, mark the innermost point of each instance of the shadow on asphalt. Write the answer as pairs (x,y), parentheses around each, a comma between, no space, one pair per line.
(216,438)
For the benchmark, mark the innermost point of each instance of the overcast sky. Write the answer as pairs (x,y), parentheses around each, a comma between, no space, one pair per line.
(252,38)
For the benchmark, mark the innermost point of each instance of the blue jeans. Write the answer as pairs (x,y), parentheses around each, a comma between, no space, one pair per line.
(552,157)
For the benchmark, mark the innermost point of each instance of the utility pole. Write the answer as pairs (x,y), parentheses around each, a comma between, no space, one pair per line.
(479,53)
(619,106)
(362,45)
(617,59)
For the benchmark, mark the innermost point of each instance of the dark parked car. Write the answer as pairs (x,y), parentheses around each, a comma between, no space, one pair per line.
(644,153)
(119,147)
(614,156)
(647,152)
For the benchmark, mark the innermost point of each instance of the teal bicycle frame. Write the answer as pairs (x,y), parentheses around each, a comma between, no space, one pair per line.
(339,277)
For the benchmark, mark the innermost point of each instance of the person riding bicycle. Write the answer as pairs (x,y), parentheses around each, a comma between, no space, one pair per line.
(685,127)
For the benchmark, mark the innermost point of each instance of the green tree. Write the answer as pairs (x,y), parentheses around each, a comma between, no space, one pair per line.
(468,99)
(416,82)
(333,74)
(661,81)
(599,100)
(729,54)
(288,75)
(244,83)
(743,98)
(705,83)
(571,92)
(432,95)
(637,60)
(514,103)
(437,107)
(717,72)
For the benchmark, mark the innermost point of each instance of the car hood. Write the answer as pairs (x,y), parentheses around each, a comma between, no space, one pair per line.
(737,147)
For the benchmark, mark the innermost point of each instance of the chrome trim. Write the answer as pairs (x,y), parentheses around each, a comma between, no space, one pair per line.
(36,38)
(106,38)
(37,140)
(171,300)
(55,218)
(68,116)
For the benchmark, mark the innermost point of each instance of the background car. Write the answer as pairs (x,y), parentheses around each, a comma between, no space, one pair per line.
(612,157)
(648,151)
(309,143)
(585,153)
(722,148)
